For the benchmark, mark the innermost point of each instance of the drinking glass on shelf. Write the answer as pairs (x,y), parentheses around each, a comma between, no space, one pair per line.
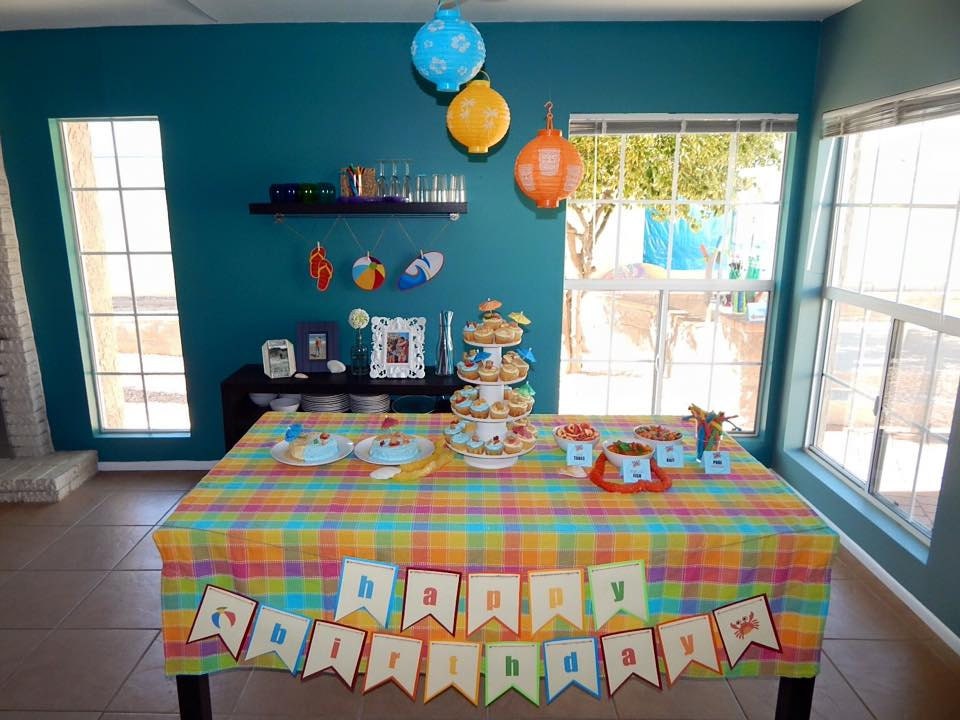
(461,188)
(407,190)
(396,188)
(422,189)
(381,178)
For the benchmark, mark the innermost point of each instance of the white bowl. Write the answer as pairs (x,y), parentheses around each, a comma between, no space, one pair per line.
(562,443)
(262,399)
(651,441)
(284,404)
(616,458)
(294,396)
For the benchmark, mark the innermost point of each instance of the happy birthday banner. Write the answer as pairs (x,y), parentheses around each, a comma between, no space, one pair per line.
(331,647)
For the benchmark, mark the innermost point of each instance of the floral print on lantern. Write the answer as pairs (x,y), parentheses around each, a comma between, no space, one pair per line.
(525,176)
(448,50)
(549,161)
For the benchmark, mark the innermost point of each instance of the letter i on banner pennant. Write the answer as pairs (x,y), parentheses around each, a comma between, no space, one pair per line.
(223,614)
(618,587)
(276,631)
(633,652)
(334,647)
(366,585)
(571,662)
(493,596)
(453,664)
(687,640)
(393,658)
(433,593)
(512,666)
(556,593)
(745,623)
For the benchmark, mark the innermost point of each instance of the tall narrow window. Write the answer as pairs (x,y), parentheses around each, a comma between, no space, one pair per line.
(114,177)
(670,247)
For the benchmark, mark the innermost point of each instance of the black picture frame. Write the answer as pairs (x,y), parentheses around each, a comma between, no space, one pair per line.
(317,345)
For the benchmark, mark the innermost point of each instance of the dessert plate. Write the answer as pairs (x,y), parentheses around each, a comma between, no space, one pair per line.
(280,453)
(362,451)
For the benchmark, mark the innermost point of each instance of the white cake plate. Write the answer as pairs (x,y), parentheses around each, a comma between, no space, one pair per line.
(493,344)
(362,450)
(490,462)
(470,418)
(491,383)
(281,453)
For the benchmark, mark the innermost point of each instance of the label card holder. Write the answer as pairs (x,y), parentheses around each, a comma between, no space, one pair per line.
(580,454)
(670,455)
(716,462)
(636,469)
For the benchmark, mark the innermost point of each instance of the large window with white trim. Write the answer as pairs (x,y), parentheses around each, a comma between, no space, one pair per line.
(890,364)
(670,247)
(113,173)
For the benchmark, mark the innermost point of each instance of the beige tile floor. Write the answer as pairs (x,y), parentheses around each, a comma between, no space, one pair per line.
(85,573)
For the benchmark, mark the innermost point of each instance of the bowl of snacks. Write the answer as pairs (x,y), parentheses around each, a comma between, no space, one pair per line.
(618,450)
(657,434)
(575,433)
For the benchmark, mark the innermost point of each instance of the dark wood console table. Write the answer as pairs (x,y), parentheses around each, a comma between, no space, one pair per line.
(239,413)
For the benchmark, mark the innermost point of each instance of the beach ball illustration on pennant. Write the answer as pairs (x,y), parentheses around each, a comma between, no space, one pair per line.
(369,273)
(448,50)
(478,117)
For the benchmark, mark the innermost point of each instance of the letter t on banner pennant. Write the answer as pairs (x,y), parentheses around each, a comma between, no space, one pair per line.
(512,666)
(745,623)
(276,631)
(431,592)
(633,652)
(618,587)
(687,640)
(366,585)
(223,614)
(395,658)
(453,664)
(493,596)
(571,662)
(337,647)
(556,593)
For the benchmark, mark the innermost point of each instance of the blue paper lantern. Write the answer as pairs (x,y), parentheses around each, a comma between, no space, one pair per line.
(448,51)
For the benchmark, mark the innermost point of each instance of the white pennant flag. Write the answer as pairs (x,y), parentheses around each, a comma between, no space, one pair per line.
(366,585)
(337,647)
(393,658)
(512,666)
(223,614)
(618,587)
(431,592)
(633,652)
(687,640)
(453,664)
(556,593)
(278,632)
(493,596)
(745,623)
(571,662)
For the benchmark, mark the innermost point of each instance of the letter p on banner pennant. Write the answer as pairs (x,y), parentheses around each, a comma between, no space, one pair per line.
(556,593)
(687,640)
(745,623)
(395,658)
(493,596)
(223,614)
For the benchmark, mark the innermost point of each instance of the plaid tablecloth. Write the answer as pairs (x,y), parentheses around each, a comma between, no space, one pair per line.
(278,533)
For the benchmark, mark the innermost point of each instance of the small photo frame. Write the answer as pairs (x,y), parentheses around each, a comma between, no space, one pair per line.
(316,346)
(397,347)
(278,359)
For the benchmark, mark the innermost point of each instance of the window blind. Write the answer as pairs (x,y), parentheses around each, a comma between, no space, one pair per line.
(927,104)
(669,124)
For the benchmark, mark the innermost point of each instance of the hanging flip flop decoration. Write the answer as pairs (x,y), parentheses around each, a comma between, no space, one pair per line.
(424,268)
(321,269)
(369,273)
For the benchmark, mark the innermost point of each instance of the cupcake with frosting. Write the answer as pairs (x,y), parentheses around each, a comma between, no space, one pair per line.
(489,372)
(493,446)
(483,335)
(527,435)
(509,372)
(512,444)
(453,428)
(492,319)
(468,331)
(503,335)
(475,445)
(517,408)
(480,408)
(462,407)
(468,391)
(468,369)
(499,410)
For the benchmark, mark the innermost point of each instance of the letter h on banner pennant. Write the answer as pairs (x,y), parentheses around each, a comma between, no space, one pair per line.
(493,596)
(512,666)
(433,593)
(366,585)
(334,647)
(225,615)
(556,593)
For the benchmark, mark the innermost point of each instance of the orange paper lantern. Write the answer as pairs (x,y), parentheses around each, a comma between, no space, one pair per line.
(549,168)
(478,117)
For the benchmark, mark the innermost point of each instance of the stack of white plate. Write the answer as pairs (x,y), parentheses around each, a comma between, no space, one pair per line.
(325,403)
(369,403)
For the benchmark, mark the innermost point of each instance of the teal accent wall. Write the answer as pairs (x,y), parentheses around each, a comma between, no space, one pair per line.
(243,106)
(874,49)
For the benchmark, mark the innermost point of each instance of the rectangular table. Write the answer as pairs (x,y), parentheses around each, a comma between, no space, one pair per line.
(278,533)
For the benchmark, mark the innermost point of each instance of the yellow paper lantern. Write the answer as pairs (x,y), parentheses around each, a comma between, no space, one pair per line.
(549,168)
(478,117)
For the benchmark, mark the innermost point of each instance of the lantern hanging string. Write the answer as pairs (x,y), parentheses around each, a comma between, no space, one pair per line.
(432,240)
(549,106)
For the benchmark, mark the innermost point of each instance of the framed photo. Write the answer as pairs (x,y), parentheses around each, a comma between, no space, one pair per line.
(278,359)
(397,347)
(316,346)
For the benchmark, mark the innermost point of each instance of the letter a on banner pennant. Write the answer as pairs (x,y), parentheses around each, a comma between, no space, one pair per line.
(571,662)
(431,592)
(512,666)
(618,587)
(366,585)
(334,647)
(745,623)
(223,614)
(687,640)
(276,631)
(493,596)
(393,658)
(556,593)
(453,664)
(633,652)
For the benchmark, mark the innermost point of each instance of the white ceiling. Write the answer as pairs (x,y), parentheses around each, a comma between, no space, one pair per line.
(35,14)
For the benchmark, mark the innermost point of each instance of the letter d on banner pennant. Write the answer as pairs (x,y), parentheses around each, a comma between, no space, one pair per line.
(453,664)
(687,640)
(336,647)
(512,666)
(433,593)
(745,623)
(571,662)
(618,587)
(223,614)
(366,585)
(393,658)
(493,596)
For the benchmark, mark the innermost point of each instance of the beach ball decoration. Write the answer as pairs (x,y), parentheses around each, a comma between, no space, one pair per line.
(549,168)
(478,117)
(369,273)
(448,51)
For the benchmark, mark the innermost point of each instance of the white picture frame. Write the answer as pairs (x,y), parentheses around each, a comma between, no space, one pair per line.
(279,359)
(397,347)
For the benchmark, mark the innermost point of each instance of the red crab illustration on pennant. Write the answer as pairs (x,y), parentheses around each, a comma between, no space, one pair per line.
(744,626)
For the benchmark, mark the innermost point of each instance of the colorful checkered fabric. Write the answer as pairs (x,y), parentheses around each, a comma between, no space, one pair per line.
(278,534)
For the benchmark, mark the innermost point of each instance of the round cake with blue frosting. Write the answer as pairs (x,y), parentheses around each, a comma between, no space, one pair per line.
(314,447)
(394,448)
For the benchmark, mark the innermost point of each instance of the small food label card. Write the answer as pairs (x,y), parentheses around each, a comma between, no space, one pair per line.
(636,469)
(716,462)
(580,454)
(670,455)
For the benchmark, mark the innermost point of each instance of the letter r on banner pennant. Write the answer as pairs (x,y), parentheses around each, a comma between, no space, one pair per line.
(393,658)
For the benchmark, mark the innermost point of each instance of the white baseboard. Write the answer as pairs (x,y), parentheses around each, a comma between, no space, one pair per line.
(157,465)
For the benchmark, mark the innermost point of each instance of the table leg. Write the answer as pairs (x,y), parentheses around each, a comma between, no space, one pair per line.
(193,691)
(795,698)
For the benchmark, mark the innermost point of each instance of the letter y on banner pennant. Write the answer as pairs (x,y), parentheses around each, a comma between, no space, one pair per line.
(395,658)
(687,640)
(512,666)
(745,623)
(493,596)
(366,585)
(618,587)
(453,664)
(433,593)
(276,631)
(571,662)
(556,593)
(223,614)
(337,647)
